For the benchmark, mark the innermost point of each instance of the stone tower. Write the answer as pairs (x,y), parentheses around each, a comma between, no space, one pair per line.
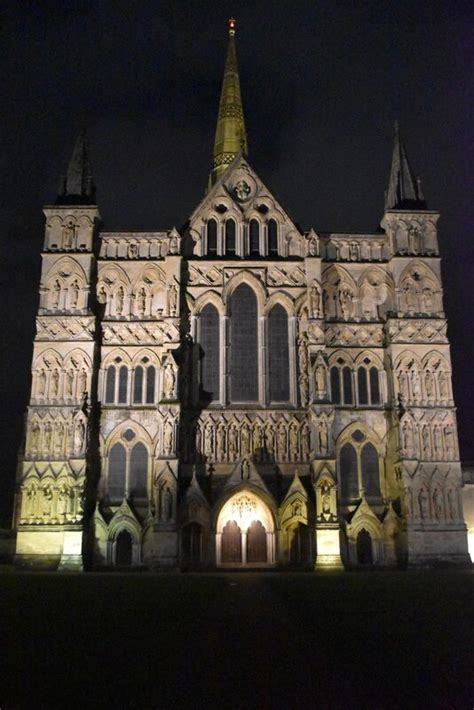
(242,393)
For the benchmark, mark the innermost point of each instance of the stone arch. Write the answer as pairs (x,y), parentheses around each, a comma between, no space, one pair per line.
(247,509)
(283,299)
(208,297)
(116,436)
(376,292)
(244,277)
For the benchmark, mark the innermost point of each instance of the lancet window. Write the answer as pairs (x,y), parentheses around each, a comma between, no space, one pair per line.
(254,237)
(244,346)
(361,387)
(230,237)
(359,468)
(278,355)
(209,341)
(127,469)
(144,380)
(272,237)
(212,237)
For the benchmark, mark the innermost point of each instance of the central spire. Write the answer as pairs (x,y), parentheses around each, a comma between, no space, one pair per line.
(231,137)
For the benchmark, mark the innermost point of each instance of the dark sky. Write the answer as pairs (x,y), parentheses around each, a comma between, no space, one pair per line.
(322,84)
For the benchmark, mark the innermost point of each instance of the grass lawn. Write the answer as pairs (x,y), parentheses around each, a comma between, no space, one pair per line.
(356,640)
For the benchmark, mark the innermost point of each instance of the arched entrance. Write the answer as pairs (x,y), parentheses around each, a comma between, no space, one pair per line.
(123,549)
(245,532)
(299,544)
(364,548)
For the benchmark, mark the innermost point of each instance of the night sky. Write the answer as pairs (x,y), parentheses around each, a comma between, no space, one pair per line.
(322,83)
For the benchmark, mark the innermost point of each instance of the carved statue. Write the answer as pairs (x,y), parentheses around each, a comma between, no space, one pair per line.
(323,439)
(408,441)
(438,440)
(172,300)
(141,301)
(74,294)
(56,294)
(313,247)
(63,500)
(320,382)
(167,437)
(233,435)
(245,469)
(315,299)
(174,244)
(305,442)
(345,302)
(209,441)
(257,438)
(132,250)
(82,381)
(281,443)
(169,381)
(449,439)
(69,382)
(443,385)
(79,436)
(30,502)
(242,190)
(58,437)
(414,239)
(409,503)
(69,230)
(415,385)
(410,296)
(424,504)
(269,440)
(294,447)
(41,383)
(326,500)
(425,436)
(48,432)
(47,502)
(119,300)
(303,356)
(54,383)
(429,385)
(102,294)
(220,442)
(244,440)
(437,504)
(304,389)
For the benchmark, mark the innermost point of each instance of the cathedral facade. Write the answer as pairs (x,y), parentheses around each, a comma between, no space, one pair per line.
(240,393)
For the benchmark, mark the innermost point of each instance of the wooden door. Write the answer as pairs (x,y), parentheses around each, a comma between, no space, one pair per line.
(231,544)
(256,542)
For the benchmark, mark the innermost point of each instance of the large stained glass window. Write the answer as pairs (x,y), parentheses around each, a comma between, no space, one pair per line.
(116,472)
(348,472)
(209,341)
(243,346)
(278,355)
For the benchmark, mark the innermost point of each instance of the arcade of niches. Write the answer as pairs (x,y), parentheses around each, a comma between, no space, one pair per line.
(240,393)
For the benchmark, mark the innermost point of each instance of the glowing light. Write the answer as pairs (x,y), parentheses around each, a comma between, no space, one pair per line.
(232,24)
(244,508)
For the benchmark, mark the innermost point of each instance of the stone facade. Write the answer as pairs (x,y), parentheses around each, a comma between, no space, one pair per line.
(242,393)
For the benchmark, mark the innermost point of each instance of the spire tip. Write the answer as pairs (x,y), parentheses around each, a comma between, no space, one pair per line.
(232,24)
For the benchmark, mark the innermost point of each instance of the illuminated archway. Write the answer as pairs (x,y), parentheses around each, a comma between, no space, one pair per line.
(245,532)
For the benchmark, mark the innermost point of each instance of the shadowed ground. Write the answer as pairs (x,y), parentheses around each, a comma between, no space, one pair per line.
(373,640)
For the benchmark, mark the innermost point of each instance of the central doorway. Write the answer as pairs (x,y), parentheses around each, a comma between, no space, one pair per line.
(245,532)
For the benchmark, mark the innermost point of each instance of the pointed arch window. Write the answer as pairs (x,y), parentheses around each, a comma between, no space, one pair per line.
(123,385)
(209,342)
(370,471)
(110,385)
(230,237)
(138,471)
(144,377)
(212,237)
(117,472)
(138,385)
(347,385)
(349,472)
(335,385)
(254,237)
(374,386)
(243,345)
(278,355)
(359,468)
(363,391)
(272,238)
(127,469)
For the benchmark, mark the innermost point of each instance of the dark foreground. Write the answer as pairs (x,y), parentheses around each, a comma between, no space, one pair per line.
(374,640)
